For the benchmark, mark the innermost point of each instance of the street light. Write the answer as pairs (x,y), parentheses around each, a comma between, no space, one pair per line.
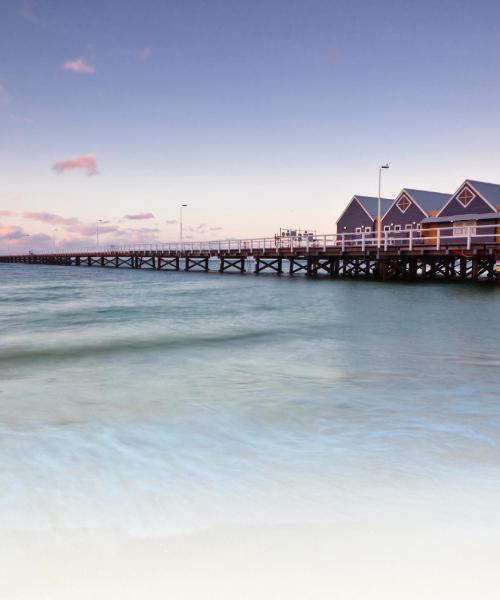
(379,230)
(97,231)
(180,221)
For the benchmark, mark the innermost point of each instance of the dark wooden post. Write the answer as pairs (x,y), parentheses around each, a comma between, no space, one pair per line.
(380,269)
(475,268)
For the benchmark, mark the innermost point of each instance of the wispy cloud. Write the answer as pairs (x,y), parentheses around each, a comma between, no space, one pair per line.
(198,229)
(11,232)
(171,222)
(4,94)
(139,216)
(21,119)
(87,162)
(29,10)
(145,53)
(215,228)
(78,65)
(7,213)
(90,229)
(141,234)
(50,218)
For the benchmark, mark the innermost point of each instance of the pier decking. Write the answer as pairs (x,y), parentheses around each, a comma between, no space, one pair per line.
(410,257)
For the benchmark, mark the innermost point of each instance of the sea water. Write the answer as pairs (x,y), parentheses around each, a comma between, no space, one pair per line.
(156,403)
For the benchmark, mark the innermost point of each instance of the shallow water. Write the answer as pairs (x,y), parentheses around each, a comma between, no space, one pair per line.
(154,402)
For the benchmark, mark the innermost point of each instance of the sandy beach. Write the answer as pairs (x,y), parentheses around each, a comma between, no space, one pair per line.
(346,561)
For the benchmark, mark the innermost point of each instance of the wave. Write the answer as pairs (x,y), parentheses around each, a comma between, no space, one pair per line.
(132,345)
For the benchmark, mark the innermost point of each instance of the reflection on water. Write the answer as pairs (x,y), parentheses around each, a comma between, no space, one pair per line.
(157,401)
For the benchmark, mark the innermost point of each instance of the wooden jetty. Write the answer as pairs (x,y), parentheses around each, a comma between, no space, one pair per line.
(409,258)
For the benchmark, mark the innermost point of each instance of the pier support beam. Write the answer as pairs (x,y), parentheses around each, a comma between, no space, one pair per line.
(272,264)
(228,262)
(169,264)
(196,261)
(297,264)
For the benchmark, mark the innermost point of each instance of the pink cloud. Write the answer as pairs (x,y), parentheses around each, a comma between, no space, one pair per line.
(90,229)
(70,224)
(145,53)
(4,94)
(85,161)
(51,218)
(11,232)
(139,216)
(142,234)
(7,213)
(78,65)
(15,238)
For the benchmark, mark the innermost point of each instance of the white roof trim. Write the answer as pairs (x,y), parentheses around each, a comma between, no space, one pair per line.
(352,200)
(468,183)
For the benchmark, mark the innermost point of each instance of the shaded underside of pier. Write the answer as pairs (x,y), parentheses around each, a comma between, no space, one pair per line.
(477,263)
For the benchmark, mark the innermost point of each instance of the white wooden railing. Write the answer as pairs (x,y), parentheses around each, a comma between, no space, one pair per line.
(435,238)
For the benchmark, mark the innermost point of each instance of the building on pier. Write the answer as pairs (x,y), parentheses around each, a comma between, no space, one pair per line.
(360,215)
(409,209)
(473,210)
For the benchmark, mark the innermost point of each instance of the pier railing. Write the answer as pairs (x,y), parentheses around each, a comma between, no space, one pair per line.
(408,239)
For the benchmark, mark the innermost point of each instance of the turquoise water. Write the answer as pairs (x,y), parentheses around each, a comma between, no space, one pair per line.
(155,402)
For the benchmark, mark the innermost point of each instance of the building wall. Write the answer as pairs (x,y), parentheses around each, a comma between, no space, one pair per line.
(446,230)
(395,216)
(353,217)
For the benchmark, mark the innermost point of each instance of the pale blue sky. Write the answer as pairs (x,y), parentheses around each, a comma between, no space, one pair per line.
(256,114)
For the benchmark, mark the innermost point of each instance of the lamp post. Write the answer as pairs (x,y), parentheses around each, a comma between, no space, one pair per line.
(379,229)
(97,231)
(180,220)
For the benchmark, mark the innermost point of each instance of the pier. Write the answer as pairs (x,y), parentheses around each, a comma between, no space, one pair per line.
(408,258)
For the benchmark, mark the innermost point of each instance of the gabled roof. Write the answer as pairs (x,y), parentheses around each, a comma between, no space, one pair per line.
(369,204)
(424,200)
(489,192)
(428,201)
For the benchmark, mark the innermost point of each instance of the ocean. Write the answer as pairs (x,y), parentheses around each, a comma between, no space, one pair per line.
(155,404)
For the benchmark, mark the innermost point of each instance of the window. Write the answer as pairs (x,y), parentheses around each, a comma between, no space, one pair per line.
(408,226)
(387,227)
(368,229)
(461,228)
(403,204)
(419,226)
(397,227)
(358,229)
(465,197)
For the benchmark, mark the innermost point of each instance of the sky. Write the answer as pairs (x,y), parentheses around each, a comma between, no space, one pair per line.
(257,114)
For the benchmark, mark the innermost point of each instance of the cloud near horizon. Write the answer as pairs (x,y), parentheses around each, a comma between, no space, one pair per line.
(139,216)
(51,218)
(78,65)
(87,162)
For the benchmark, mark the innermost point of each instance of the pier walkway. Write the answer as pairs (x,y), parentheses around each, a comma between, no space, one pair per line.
(476,256)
